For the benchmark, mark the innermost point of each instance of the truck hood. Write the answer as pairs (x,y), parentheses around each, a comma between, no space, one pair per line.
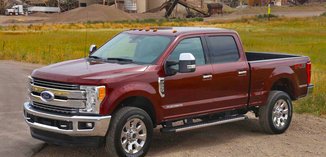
(81,71)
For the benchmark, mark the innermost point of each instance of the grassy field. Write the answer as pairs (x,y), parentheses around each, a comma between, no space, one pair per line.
(47,44)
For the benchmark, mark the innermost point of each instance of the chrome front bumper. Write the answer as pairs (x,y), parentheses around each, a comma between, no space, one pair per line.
(100,123)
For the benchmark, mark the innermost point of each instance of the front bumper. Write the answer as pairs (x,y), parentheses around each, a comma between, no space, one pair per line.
(66,140)
(50,122)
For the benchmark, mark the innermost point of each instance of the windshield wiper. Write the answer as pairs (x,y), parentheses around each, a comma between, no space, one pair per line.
(94,57)
(120,60)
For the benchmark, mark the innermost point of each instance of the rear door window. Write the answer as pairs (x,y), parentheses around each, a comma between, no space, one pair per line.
(222,49)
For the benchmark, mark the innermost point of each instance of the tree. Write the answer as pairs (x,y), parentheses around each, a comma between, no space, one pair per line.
(68,4)
(3,5)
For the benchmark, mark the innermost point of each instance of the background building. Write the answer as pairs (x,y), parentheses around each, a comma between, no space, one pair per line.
(85,3)
(138,6)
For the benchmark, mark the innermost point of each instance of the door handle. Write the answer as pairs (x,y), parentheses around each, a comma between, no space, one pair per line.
(207,76)
(242,73)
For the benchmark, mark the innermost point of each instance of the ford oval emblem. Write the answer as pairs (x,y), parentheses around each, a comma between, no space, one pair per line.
(47,96)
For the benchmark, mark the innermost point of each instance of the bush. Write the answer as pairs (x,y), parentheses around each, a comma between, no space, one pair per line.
(265,16)
(323,14)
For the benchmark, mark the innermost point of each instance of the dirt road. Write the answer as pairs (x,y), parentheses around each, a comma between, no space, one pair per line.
(305,137)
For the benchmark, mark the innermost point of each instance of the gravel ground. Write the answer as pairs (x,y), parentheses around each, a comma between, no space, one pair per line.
(305,137)
(15,139)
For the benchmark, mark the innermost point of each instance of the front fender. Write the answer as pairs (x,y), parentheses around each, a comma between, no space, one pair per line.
(120,93)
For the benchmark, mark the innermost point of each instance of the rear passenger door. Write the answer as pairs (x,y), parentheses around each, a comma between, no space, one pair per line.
(230,72)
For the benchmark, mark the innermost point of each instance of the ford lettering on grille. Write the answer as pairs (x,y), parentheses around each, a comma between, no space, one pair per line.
(47,96)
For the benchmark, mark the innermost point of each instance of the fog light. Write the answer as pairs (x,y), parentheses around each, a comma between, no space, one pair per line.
(89,125)
(85,125)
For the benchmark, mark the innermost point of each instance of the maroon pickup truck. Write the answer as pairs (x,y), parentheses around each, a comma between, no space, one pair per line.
(175,78)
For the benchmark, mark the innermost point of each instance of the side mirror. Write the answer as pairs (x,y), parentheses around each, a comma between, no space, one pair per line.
(187,63)
(92,49)
(168,69)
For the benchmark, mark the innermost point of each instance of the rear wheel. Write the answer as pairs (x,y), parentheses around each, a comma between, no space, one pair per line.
(130,133)
(275,117)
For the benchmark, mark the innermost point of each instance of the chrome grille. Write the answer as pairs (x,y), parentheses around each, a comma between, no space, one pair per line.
(68,98)
(52,108)
(57,85)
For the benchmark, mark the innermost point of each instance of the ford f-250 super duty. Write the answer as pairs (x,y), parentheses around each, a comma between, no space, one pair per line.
(179,78)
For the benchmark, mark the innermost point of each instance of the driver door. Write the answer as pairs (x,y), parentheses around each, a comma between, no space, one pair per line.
(187,93)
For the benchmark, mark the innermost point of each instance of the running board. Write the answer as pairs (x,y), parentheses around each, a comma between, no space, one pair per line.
(203,124)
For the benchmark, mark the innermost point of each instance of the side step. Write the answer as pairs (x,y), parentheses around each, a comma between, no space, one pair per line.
(203,124)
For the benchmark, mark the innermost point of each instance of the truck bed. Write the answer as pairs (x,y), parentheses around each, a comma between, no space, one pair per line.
(264,66)
(260,56)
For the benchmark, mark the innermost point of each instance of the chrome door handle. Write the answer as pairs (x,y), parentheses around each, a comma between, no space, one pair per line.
(207,76)
(242,73)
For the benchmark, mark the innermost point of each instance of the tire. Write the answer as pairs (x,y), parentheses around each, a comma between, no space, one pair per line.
(118,132)
(275,117)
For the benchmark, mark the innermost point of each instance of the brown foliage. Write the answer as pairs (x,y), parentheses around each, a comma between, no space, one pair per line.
(3,5)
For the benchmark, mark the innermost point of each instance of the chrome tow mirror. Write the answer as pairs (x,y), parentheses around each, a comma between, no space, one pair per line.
(92,49)
(187,63)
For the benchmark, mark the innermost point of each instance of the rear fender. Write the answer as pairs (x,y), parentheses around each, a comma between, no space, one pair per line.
(284,72)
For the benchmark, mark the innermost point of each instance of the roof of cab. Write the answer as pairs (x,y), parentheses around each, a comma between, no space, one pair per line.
(175,31)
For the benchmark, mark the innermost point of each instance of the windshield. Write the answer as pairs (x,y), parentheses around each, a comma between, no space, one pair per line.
(138,48)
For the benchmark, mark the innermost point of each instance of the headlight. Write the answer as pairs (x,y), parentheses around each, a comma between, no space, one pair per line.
(94,98)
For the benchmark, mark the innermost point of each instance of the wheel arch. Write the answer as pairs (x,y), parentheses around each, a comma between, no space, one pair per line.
(283,79)
(286,85)
(137,94)
(140,102)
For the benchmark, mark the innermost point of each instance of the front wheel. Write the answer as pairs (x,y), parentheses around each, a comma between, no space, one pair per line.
(130,133)
(275,117)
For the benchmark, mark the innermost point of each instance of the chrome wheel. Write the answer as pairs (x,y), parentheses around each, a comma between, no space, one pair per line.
(133,136)
(280,114)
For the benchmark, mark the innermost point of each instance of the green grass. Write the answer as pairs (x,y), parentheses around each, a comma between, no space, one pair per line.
(49,47)
(47,44)
(296,36)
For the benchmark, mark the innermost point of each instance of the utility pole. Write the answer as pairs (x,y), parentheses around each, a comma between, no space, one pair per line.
(269,11)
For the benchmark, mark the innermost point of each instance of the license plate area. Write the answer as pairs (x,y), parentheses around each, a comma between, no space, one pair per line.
(66,125)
